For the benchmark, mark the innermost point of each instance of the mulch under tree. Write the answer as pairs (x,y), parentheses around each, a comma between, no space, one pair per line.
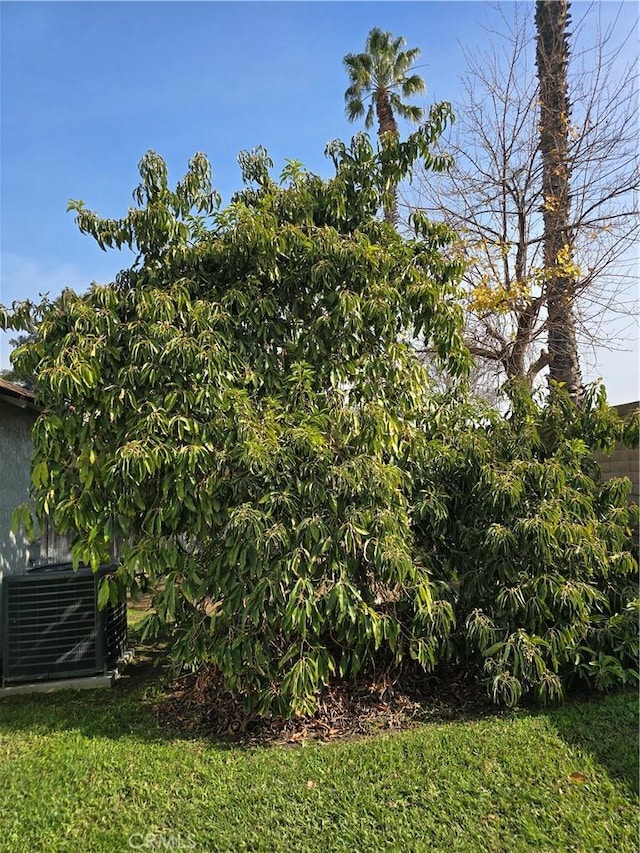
(200,704)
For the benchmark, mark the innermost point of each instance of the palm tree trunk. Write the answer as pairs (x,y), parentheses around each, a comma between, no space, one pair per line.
(387,125)
(552,54)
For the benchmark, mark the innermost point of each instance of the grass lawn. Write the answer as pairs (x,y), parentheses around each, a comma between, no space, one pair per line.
(91,771)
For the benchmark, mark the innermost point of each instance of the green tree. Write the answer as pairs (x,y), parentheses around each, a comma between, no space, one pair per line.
(233,410)
(552,58)
(533,551)
(381,80)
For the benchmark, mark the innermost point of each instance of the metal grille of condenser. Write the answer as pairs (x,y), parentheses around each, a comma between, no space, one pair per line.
(115,633)
(52,627)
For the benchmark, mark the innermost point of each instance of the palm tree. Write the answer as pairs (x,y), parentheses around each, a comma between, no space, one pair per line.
(552,58)
(380,80)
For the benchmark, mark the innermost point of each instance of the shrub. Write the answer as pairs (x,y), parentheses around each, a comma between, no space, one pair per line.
(231,410)
(243,413)
(532,549)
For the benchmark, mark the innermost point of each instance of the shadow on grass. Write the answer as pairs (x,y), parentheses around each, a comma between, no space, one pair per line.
(123,711)
(133,710)
(607,728)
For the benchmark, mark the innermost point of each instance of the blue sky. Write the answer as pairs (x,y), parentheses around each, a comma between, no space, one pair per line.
(87,88)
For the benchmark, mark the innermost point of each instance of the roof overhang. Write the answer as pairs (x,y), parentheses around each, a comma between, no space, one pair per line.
(17,395)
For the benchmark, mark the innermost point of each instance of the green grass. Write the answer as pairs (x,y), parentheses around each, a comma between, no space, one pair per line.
(91,771)
(136,611)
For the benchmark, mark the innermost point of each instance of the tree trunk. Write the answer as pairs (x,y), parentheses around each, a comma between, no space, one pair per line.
(552,54)
(387,124)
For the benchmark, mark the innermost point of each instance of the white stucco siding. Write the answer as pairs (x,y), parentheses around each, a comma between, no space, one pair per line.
(15,465)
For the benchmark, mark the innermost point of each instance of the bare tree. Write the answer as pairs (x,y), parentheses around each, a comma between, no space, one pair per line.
(494,197)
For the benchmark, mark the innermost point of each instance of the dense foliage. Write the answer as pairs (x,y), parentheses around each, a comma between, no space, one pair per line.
(243,414)
(231,411)
(532,552)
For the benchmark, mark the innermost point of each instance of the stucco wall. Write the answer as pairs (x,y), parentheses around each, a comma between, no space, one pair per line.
(623,461)
(15,466)
(15,473)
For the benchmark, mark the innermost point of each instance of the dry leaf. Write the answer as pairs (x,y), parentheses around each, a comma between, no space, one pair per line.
(577,777)
(312,784)
(211,608)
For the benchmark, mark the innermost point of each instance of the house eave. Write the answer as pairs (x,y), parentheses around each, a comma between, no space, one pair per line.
(18,396)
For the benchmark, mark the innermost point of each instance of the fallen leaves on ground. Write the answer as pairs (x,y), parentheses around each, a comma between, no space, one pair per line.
(577,777)
(200,704)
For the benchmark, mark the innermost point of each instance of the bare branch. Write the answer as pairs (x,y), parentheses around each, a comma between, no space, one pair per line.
(493,196)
